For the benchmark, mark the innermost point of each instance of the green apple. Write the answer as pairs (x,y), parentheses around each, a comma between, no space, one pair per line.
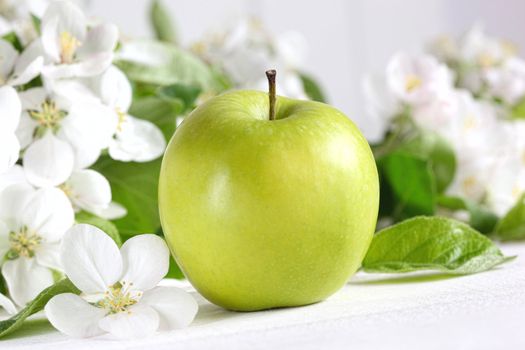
(268,202)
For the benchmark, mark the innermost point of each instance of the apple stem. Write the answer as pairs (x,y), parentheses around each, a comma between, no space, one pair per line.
(270,74)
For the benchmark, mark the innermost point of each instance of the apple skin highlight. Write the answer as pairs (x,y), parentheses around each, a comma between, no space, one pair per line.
(263,213)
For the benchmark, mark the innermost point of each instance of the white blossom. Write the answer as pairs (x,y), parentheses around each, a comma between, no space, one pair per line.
(417,79)
(246,49)
(507,81)
(507,184)
(32,222)
(71,48)
(61,133)
(135,139)
(120,295)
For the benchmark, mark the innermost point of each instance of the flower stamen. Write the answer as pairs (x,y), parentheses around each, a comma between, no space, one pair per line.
(68,47)
(48,117)
(412,83)
(23,243)
(118,298)
(122,117)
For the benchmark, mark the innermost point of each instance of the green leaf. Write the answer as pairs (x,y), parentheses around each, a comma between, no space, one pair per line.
(16,321)
(312,88)
(439,154)
(134,185)
(481,218)
(12,38)
(512,225)
(186,93)
(175,271)
(518,110)
(107,226)
(163,24)
(36,23)
(160,111)
(409,183)
(169,65)
(432,243)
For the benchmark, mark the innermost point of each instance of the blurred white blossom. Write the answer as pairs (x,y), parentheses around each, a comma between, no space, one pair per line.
(246,50)
(471,113)
(507,81)
(417,79)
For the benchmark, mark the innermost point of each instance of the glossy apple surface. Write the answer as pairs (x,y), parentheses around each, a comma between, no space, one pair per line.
(268,213)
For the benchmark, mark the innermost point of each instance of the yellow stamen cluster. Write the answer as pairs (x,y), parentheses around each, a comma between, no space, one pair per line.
(67,190)
(68,47)
(118,298)
(486,60)
(23,243)
(49,116)
(122,117)
(469,183)
(412,82)
(470,122)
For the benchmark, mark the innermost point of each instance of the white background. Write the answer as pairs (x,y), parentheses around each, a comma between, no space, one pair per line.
(347,39)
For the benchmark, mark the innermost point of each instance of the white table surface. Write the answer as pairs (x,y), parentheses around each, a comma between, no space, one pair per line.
(483,311)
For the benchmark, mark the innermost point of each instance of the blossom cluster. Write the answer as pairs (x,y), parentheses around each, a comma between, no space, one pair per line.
(467,92)
(63,104)
(246,49)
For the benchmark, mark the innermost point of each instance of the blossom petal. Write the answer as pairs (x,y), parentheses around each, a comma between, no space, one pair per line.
(10,109)
(25,279)
(9,57)
(29,64)
(92,65)
(146,261)
(50,38)
(72,315)
(48,161)
(114,89)
(7,304)
(113,211)
(102,38)
(15,175)
(13,201)
(26,130)
(5,26)
(89,128)
(61,17)
(90,258)
(24,75)
(67,92)
(139,140)
(49,213)
(89,189)
(138,322)
(9,150)
(48,255)
(33,98)
(176,307)
(4,239)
